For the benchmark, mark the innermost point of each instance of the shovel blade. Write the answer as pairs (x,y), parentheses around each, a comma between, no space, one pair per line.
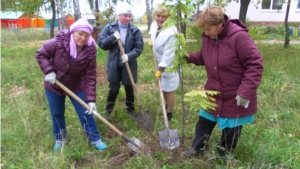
(168,138)
(139,147)
(145,122)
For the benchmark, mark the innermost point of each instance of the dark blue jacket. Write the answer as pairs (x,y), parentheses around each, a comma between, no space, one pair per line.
(133,48)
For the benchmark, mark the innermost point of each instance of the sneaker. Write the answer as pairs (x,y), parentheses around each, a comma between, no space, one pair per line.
(57,146)
(100,145)
(191,152)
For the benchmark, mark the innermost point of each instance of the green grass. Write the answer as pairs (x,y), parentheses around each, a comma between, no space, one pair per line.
(272,141)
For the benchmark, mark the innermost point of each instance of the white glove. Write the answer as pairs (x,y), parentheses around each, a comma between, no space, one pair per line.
(240,101)
(124,58)
(50,77)
(117,35)
(92,106)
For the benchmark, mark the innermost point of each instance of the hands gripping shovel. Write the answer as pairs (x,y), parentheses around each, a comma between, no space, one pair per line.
(168,138)
(134,144)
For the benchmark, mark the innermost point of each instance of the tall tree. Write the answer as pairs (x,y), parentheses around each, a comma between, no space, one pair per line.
(63,24)
(76,9)
(97,11)
(287,31)
(243,10)
(148,11)
(53,19)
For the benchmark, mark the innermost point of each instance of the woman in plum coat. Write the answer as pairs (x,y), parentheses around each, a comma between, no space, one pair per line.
(234,68)
(70,57)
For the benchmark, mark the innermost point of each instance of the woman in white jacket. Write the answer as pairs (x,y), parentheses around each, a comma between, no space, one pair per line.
(164,48)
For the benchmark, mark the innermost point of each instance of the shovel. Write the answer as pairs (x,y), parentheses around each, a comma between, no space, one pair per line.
(144,118)
(168,138)
(134,144)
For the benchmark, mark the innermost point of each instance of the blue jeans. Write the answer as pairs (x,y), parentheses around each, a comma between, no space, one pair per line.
(57,110)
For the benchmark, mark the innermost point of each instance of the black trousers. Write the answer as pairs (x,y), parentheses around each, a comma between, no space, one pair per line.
(228,141)
(114,88)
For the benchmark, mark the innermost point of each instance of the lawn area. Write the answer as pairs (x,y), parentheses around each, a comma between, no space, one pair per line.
(272,141)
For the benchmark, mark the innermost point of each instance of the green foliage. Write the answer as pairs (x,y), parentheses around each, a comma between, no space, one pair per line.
(194,32)
(106,16)
(264,31)
(198,99)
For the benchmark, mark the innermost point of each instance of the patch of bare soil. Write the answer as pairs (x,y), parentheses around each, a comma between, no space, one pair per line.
(17,90)
(101,75)
(173,156)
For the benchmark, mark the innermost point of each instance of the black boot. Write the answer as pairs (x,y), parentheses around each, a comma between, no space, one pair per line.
(109,108)
(228,140)
(170,116)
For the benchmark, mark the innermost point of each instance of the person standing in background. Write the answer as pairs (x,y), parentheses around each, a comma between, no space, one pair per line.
(132,42)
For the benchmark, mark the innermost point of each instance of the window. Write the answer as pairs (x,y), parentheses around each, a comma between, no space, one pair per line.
(298,5)
(272,4)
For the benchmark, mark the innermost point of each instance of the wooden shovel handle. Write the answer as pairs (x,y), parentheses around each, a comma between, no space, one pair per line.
(70,93)
(161,94)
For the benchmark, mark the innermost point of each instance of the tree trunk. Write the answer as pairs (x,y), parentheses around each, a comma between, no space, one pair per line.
(76,9)
(97,28)
(64,23)
(243,10)
(287,31)
(148,14)
(53,19)
(97,13)
(198,12)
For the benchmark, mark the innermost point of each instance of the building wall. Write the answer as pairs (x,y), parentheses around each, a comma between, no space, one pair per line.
(259,15)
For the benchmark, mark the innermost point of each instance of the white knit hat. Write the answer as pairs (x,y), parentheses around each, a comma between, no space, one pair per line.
(123,8)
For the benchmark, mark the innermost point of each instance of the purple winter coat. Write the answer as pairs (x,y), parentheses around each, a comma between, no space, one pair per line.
(76,74)
(234,66)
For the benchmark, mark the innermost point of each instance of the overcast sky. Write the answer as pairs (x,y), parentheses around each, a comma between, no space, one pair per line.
(139,8)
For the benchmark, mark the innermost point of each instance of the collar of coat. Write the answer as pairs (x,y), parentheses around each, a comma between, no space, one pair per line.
(163,35)
(115,24)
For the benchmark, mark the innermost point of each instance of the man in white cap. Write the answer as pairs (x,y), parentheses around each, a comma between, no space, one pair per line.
(132,42)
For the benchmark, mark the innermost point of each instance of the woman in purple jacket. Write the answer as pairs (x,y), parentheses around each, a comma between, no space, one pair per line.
(234,68)
(70,57)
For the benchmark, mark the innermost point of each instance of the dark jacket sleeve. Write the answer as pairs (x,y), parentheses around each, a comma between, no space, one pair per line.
(251,59)
(138,45)
(106,38)
(90,76)
(44,56)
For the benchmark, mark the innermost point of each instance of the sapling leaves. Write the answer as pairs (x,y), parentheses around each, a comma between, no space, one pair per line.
(199,99)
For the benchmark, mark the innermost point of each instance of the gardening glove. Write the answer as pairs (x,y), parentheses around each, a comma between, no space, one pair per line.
(240,101)
(92,106)
(150,43)
(124,58)
(211,99)
(50,77)
(117,35)
(158,75)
